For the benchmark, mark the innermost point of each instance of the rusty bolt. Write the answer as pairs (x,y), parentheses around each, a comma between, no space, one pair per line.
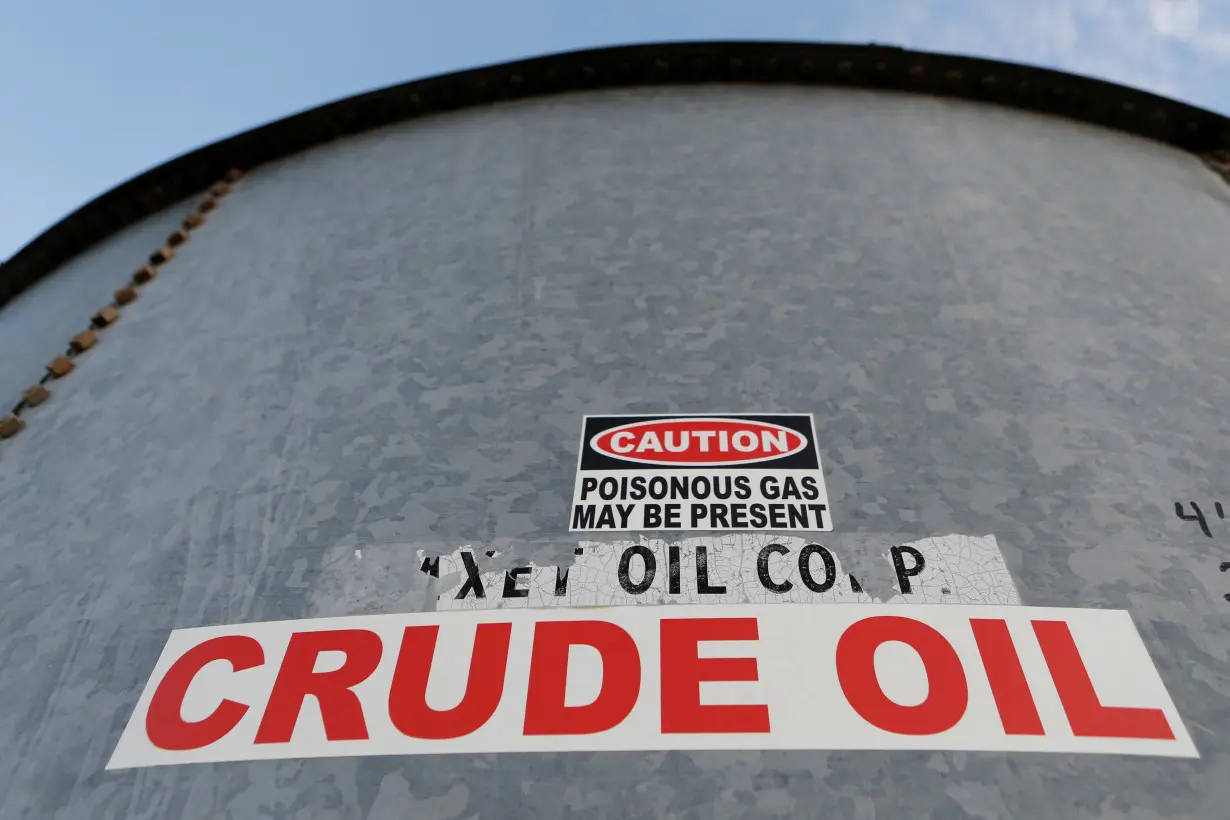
(84,340)
(36,395)
(163,254)
(207,205)
(193,220)
(125,295)
(233,175)
(107,316)
(10,425)
(60,366)
(143,274)
(178,237)
(953,76)
(916,71)
(219,189)
(845,67)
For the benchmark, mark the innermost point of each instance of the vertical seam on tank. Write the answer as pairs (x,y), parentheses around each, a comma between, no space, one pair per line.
(62,365)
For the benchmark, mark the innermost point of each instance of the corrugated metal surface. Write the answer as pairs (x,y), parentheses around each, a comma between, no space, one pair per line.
(1003,324)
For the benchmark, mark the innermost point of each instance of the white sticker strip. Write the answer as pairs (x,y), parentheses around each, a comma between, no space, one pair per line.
(730,569)
(657,678)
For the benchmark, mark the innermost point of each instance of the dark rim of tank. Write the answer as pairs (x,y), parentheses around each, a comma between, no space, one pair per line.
(819,64)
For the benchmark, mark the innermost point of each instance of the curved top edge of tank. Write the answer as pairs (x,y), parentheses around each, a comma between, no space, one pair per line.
(870,66)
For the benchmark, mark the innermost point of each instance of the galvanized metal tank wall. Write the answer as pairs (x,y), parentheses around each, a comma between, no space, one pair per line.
(1003,324)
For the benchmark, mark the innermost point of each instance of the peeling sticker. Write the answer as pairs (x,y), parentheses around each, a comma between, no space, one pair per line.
(460,560)
(741,568)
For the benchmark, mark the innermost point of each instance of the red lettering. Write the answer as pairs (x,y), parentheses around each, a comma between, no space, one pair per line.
(1086,714)
(683,670)
(947,692)
(164,723)
(340,709)
(408,707)
(545,712)
(1017,711)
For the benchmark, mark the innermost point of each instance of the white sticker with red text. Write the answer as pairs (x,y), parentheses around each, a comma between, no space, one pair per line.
(785,676)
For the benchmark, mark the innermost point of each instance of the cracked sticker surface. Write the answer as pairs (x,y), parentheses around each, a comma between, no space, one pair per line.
(752,568)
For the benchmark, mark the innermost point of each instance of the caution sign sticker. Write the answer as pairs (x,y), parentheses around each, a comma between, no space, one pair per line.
(743,472)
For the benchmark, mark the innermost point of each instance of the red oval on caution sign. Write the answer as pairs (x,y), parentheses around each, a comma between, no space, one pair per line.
(700,442)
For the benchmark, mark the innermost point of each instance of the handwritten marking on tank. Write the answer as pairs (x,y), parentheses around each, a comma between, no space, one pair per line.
(743,472)
(977,678)
(743,568)
(1198,516)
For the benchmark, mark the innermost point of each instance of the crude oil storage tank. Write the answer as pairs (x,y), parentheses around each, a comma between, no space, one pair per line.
(706,430)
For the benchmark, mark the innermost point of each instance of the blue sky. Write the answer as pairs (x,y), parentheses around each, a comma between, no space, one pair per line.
(92,93)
